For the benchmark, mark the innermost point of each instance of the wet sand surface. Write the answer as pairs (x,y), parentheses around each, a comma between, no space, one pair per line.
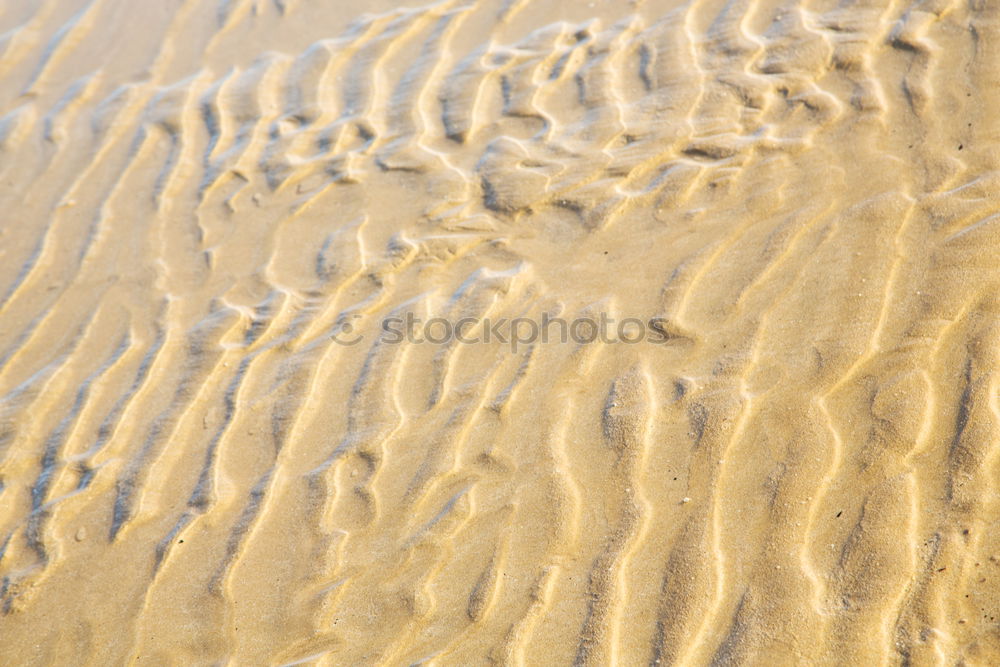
(210,453)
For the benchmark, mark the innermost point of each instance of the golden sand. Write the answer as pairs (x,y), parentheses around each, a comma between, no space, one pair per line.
(201,198)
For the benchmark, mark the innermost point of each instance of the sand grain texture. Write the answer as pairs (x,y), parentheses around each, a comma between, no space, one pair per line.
(198,195)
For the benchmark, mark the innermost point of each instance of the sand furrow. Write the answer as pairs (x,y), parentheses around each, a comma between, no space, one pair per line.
(268,273)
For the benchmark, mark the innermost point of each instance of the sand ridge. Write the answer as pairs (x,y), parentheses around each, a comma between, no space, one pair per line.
(200,196)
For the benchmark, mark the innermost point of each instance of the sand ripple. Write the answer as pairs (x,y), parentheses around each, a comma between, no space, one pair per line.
(200,196)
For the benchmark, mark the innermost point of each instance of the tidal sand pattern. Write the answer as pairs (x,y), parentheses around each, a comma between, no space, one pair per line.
(201,199)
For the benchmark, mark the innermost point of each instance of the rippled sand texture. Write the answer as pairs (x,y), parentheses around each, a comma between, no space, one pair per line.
(197,194)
